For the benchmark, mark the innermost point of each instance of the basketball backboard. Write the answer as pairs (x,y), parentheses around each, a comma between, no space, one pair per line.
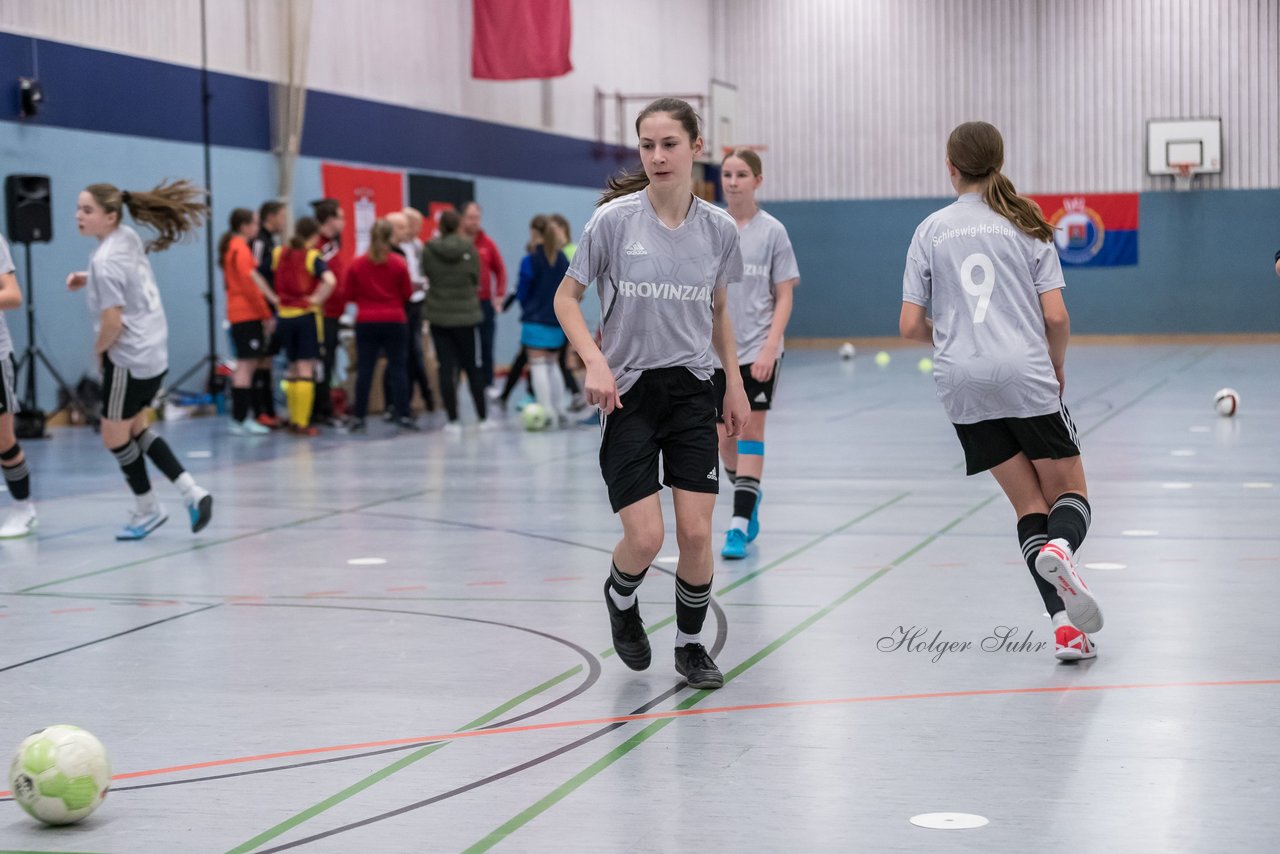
(1193,142)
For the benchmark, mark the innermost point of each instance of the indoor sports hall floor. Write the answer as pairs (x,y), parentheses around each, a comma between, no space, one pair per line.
(269,685)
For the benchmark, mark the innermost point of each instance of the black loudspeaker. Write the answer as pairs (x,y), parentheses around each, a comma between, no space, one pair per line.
(29,209)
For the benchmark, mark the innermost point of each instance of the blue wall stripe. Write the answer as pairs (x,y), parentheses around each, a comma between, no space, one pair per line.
(94,90)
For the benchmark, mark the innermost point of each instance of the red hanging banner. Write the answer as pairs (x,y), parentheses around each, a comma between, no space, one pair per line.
(520,39)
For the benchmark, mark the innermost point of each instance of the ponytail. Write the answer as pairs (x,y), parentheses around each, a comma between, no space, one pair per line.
(976,150)
(551,245)
(1001,197)
(624,184)
(174,209)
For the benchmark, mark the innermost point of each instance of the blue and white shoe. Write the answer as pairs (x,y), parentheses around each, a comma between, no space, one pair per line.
(753,524)
(200,508)
(735,545)
(141,524)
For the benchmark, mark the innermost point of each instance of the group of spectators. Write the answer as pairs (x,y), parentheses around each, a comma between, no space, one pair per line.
(289,298)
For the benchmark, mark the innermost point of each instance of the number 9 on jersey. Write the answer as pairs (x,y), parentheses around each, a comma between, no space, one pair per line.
(982,290)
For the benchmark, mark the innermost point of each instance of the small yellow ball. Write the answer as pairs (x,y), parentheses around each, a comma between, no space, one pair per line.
(882,359)
(925,365)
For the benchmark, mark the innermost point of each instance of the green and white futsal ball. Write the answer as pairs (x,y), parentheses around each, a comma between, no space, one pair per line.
(535,417)
(60,774)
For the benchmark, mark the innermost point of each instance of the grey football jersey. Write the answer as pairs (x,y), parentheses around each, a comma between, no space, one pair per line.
(767,259)
(655,283)
(6,266)
(120,275)
(983,278)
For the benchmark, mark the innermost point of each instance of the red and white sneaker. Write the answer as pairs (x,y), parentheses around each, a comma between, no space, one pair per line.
(1056,565)
(1071,644)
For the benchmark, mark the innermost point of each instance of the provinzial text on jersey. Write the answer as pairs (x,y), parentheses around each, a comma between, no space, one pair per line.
(664,290)
(974,231)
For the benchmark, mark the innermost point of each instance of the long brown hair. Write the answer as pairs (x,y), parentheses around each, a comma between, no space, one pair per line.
(635,180)
(551,240)
(976,149)
(240,217)
(380,241)
(303,230)
(174,209)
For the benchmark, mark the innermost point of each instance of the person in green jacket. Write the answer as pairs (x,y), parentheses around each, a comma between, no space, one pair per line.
(452,307)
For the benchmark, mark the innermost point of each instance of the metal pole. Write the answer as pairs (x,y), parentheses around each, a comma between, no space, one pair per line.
(208,185)
(30,357)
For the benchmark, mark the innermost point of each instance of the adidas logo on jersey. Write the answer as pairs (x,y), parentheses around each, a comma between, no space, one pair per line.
(635,248)
(712,475)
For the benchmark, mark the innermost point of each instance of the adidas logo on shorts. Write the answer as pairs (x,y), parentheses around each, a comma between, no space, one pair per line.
(635,248)
(712,475)
(761,398)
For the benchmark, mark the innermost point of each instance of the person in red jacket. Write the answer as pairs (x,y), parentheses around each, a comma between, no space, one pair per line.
(249,301)
(379,284)
(493,284)
(328,212)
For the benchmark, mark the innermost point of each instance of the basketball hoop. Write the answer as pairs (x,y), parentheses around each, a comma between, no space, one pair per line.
(1182,177)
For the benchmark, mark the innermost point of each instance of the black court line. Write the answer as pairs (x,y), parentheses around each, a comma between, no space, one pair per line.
(721,635)
(593,675)
(491,528)
(593,663)
(108,637)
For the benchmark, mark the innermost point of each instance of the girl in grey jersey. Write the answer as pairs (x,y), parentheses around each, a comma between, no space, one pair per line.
(662,259)
(987,267)
(760,309)
(21,521)
(132,336)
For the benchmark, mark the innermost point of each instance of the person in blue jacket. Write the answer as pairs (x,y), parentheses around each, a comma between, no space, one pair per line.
(541,272)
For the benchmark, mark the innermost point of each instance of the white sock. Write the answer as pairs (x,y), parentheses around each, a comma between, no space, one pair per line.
(682,639)
(623,602)
(540,376)
(186,484)
(739,523)
(1060,620)
(147,503)
(557,387)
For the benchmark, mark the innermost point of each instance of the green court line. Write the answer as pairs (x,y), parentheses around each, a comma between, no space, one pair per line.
(578,780)
(378,776)
(207,544)
(404,762)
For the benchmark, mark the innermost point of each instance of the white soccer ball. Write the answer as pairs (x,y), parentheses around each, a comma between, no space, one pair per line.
(1227,402)
(847,350)
(60,774)
(535,417)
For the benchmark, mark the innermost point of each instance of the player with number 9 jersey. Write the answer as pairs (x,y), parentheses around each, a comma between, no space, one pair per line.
(987,266)
(983,277)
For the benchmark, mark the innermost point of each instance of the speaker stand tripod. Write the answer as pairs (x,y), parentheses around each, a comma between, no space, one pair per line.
(30,411)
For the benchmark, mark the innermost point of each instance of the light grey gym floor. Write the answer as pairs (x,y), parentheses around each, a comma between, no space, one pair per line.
(260,687)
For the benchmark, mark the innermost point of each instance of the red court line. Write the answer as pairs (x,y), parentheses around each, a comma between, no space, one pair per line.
(404,589)
(72,610)
(677,713)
